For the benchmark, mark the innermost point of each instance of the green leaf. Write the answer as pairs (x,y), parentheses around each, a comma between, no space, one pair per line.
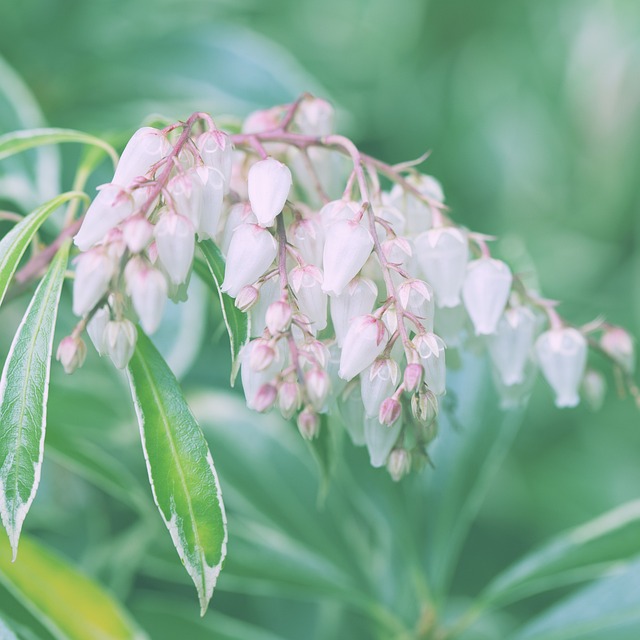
(581,553)
(14,244)
(69,604)
(236,321)
(181,472)
(23,400)
(18,141)
(5,632)
(609,609)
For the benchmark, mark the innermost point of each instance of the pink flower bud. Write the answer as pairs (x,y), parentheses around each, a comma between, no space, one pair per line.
(262,355)
(485,293)
(618,344)
(247,297)
(212,201)
(269,183)
(216,152)
(120,341)
(270,292)
(562,355)
(413,376)
(430,348)
(510,347)
(314,353)
(148,290)
(365,341)
(175,239)
(137,233)
(346,249)
(71,353)
(96,328)
(251,252)
(399,464)
(306,283)
(317,384)
(377,383)
(252,380)
(94,270)
(278,317)
(289,398)
(109,208)
(442,255)
(357,299)
(308,423)
(265,397)
(146,148)
(390,411)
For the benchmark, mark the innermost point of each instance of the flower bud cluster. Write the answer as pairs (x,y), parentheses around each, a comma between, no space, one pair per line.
(354,292)
(138,237)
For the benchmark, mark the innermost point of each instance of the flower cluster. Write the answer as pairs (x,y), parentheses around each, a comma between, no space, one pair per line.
(354,291)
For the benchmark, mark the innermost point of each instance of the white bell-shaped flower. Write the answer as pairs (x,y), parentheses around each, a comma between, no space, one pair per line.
(306,283)
(212,201)
(337,210)
(314,116)
(146,147)
(510,346)
(94,270)
(392,216)
(269,293)
(238,214)
(619,345)
(120,341)
(175,239)
(378,382)
(307,236)
(442,255)
(148,290)
(269,183)
(251,252)
(253,380)
(96,328)
(186,192)
(485,293)
(216,152)
(562,356)
(351,411)
(71,353)
(347,247)
(380,439)
(365,341)
(430,348)
(418,213)
(357,299)
(110,207)
(400,254)
(137,233)
(417,297)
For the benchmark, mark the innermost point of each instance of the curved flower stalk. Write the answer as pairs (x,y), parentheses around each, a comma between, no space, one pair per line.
(344,281)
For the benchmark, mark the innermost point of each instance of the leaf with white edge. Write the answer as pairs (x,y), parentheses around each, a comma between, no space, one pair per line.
(15,243)
(18,141)
(584,552)
(24,387)
(609,608)
(236,321)
(67,603)
(5,632)
(183,479)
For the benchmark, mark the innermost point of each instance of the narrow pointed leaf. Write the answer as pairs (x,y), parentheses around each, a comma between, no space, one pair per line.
(236,321)
(5,632)
(66,602)
(181,472)
(17,141)
(581,553)
(23,400)
(14,244)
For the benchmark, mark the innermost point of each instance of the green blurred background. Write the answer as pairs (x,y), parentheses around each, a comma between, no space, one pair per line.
(530,109)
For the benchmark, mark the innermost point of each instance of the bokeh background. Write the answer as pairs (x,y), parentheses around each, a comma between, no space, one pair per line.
(531,110)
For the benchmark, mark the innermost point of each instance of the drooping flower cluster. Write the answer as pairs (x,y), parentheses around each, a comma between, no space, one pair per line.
(354,291)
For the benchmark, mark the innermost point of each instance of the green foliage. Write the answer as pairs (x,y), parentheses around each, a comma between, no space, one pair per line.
(181,472)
